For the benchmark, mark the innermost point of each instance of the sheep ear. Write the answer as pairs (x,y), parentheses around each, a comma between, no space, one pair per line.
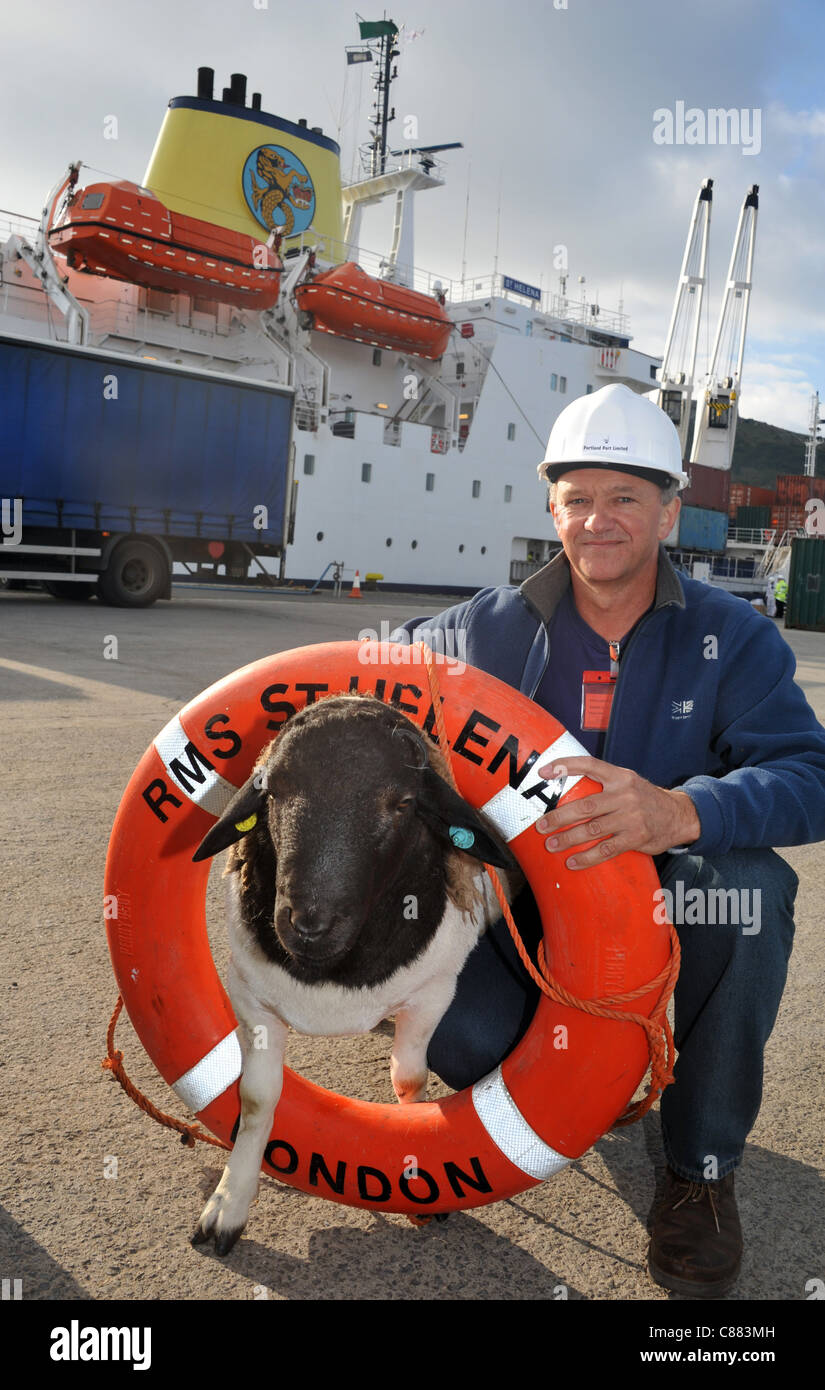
(238,819)
(457,824)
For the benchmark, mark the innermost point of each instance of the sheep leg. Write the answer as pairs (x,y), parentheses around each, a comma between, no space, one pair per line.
(225,1215)
(414,1026)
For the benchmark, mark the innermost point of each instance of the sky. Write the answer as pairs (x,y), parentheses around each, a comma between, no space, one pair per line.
(556,104)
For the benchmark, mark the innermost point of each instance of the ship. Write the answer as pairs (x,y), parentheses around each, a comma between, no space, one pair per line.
(422,403)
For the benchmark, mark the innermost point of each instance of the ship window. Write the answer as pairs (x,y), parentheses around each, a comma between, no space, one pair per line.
(388,541)
(554,382)
(309,463)
(562,383)
(653,370)
(508,492)
(319,535)
(413,545)
(366,472)
(459,368)
(484,550)
(376,357)
(476,487)
(461,550)
(588,389)
(511,431)
(430,482)
(92,200)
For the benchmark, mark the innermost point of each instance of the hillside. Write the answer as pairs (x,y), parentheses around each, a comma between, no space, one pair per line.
(762,451)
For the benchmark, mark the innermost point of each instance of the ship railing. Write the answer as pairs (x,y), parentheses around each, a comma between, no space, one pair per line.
(17,224)
(548,303)
(393,164)
(757,536)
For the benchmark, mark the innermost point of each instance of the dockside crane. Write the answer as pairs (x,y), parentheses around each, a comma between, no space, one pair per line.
(675,391)
(717,414)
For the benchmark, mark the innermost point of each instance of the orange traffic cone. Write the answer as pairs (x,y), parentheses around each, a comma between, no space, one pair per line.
(355,591)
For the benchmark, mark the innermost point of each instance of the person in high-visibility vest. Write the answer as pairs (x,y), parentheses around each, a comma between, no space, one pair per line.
(780,593)
(706,750)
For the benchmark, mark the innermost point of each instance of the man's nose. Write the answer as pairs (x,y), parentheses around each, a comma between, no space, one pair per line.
(600,519)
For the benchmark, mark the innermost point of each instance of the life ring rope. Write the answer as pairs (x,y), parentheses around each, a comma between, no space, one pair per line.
(657,1026)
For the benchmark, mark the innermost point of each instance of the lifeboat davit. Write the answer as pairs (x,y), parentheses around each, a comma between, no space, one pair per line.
(348,302)
(123,231)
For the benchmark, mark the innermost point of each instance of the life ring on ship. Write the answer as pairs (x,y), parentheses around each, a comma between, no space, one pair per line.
(545,1105)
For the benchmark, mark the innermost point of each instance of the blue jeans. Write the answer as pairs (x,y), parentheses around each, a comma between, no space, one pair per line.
(735,953)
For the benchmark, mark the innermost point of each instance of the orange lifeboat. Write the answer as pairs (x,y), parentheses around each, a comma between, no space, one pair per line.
(348,302)
(123,231)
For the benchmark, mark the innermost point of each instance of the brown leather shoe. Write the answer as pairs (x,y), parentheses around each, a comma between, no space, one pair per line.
(696,1239)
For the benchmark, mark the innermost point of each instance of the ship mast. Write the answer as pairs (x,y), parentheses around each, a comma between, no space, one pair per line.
(379,40)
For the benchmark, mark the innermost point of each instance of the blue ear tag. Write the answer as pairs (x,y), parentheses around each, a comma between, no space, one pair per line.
(461,838)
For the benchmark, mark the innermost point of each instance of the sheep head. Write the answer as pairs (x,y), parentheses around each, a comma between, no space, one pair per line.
(343,810)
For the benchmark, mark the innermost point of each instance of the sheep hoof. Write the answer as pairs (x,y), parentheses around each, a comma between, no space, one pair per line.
(411,1092)
(224,1240)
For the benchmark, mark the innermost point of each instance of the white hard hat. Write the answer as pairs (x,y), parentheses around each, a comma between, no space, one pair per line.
(614,428)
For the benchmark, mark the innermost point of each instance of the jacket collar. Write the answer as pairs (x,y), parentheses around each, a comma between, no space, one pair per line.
(544,590)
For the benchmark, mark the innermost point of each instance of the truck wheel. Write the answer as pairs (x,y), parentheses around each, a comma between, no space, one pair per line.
(75,593)
(135,576)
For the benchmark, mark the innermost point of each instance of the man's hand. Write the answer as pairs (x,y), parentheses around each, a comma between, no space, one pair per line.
(633,813)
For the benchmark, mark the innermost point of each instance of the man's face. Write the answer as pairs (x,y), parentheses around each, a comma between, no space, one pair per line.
(610,523)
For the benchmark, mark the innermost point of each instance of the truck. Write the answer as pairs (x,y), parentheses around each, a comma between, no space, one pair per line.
(114,469)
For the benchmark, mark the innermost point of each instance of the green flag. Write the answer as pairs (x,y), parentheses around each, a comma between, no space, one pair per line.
(377,29)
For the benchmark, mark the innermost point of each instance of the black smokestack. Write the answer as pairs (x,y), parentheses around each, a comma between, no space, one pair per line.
(206,81)
(256,101)
(237,88)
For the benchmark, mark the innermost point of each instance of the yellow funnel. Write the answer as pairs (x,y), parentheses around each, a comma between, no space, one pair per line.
(239,167)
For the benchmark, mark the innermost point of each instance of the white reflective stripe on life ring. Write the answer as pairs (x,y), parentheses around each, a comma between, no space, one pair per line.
(209,1077)
(201,784)
(509,1130)
(512,809)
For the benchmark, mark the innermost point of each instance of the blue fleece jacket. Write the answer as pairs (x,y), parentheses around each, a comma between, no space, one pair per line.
(705,700)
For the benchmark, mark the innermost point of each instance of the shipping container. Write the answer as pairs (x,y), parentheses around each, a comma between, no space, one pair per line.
(701,528)
(755,518)
(798,487)
(806,585)
(708,487)
(789,516)
(748,495)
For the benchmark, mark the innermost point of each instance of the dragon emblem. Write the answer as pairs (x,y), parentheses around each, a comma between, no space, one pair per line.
(278,190)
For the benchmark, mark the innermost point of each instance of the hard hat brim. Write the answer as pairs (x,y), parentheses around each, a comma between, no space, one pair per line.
(553,471)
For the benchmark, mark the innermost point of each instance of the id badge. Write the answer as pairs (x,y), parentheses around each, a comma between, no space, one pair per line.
(597,697)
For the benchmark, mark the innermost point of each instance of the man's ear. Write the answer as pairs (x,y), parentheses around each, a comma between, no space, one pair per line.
(238,819)
(457,824)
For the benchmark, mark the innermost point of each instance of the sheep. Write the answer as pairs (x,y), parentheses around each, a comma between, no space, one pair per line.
(346,822)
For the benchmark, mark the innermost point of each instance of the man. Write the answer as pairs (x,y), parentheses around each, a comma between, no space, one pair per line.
(684,699)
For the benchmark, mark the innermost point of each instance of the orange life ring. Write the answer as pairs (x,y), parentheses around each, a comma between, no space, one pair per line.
(563,1085)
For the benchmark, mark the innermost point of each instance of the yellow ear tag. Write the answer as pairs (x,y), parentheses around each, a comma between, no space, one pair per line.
(244,825)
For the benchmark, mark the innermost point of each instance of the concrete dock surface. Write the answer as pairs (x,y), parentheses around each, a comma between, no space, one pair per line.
(75,724)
